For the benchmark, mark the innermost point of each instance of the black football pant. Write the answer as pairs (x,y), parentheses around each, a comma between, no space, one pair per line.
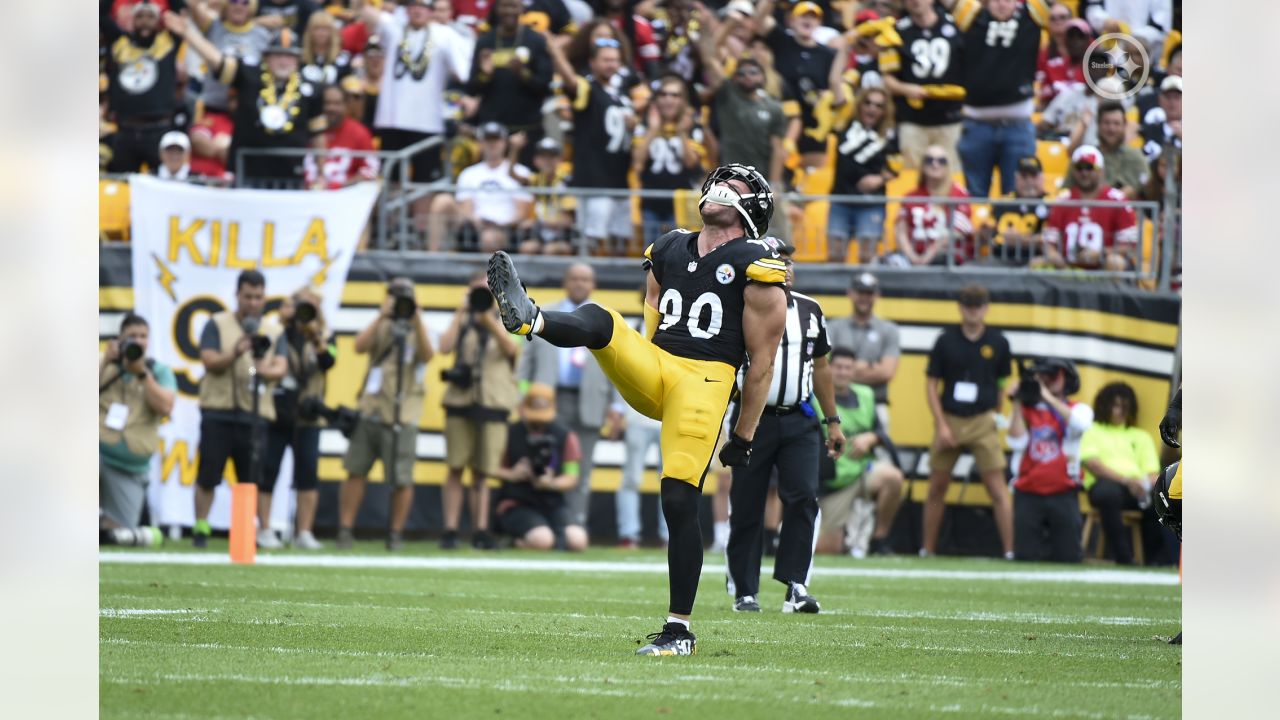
(791,443)
(1047,527)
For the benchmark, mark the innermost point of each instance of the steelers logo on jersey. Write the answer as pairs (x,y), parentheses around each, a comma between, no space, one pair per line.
(139,76)
(725,274)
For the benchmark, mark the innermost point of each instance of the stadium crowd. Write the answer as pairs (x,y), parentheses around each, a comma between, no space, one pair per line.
(538,119)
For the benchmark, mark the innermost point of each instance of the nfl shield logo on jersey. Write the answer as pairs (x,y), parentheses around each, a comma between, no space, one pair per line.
(725,274)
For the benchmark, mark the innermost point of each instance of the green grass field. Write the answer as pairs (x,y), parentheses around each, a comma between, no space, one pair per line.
(522,635)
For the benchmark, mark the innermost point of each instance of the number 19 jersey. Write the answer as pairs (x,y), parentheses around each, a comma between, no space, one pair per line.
(701,302)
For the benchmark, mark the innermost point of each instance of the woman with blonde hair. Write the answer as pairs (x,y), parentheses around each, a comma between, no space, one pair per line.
(323,59)
(864,141)
(311,353)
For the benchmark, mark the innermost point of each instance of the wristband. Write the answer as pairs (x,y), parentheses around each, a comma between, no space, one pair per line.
(831,420)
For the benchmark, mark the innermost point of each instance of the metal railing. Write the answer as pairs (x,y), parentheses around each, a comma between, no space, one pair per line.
(1155,257)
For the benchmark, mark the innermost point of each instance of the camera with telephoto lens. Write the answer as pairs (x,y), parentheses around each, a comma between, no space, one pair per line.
(459,375)
(344,419)
(259,345)
(1028,385)
(305,312)
(130,351)
(403,306)
(541,454)
(480,300)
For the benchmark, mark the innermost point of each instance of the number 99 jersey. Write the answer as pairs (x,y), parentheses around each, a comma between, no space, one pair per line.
(701,301)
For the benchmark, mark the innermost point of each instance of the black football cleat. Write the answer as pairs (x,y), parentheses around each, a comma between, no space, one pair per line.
(799,600)
(517,311)
(675,639)
(1177,640)
(746,603)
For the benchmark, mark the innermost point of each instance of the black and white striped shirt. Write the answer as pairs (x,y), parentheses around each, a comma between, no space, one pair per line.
(804,339)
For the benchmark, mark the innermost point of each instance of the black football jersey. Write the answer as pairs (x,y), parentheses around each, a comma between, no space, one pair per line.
(601,140)
(927,56)
(701,301)
(1000,57)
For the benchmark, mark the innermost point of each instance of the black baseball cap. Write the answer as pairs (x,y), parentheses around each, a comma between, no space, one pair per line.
(865,282)
(1030,165)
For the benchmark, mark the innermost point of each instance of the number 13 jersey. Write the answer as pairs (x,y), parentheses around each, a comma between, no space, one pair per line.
(701,302)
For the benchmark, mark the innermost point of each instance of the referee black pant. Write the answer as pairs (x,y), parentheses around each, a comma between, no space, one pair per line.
(791,443)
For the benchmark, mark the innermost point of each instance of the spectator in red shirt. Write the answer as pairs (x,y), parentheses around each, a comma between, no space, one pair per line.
(340,167)
(1059,16)
(638,31)
(1044,434)
(1091,237)
(923,229)
(1067,69)
(210,142)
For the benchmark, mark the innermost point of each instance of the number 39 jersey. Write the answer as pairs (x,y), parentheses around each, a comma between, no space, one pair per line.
(927,56)
(601,138)
(701,302)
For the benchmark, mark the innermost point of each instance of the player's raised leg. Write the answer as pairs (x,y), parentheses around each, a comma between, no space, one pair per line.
(628,359)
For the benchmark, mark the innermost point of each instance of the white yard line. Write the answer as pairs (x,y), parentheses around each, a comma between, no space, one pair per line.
(1086,576)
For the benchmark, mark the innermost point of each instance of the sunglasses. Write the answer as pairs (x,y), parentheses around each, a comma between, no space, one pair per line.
(928,160)
(607,43)
(1085,166)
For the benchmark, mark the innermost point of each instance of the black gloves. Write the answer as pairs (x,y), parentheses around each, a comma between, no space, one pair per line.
(1171,425)
(736,452)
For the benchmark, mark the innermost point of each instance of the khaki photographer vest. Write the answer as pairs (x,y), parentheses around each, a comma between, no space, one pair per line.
(142,428)
(307,362)
(381,402)
(493,376)
(230,389)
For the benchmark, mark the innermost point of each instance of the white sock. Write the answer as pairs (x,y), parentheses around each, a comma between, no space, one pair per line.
(722,533)
(671,619)
(537,324)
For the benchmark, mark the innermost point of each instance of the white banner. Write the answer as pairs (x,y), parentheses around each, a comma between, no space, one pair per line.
(189,244)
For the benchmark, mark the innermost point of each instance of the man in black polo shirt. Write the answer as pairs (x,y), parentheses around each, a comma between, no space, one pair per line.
(967,366)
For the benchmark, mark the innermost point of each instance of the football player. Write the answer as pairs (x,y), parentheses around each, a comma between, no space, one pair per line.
(711,297)
(1169,486)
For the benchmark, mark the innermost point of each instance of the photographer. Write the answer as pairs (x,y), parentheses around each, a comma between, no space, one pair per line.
(135,393)
(539,465)
(392,381)
(238,360)
(1044,435)
(479,396)
(310,356)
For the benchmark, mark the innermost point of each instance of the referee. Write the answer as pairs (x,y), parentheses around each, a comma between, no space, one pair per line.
(789,440)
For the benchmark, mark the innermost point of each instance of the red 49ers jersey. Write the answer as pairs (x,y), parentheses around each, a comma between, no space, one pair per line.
(1077,230)
(927,223)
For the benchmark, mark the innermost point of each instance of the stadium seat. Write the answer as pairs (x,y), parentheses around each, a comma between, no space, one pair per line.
(1132,521)
(113,209)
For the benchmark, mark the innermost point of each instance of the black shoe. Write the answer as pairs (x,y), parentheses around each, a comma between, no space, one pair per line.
(395,541)
(879,546)
(514,306)
(199,541)
(746,603)
(675,639)
(1177,640)
(346,539)
(482,540)
(799,600)
(449,540)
